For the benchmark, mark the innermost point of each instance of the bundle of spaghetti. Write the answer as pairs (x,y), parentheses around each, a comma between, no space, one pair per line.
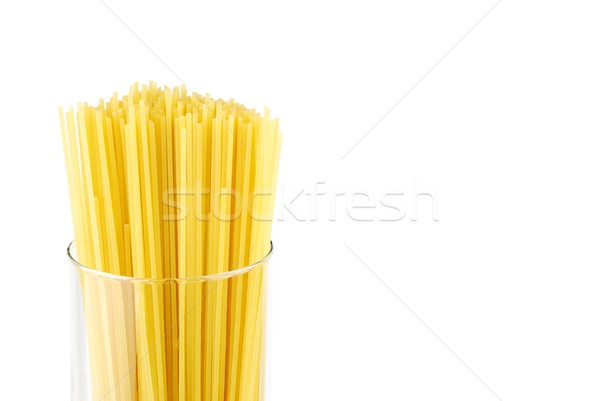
(166,185)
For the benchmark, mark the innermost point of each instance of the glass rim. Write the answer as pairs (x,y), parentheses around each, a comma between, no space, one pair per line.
(207,277)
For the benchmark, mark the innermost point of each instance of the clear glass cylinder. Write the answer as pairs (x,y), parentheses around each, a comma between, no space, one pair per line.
(194,338)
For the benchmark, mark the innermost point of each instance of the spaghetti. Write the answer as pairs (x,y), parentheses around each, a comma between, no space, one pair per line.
(166,184)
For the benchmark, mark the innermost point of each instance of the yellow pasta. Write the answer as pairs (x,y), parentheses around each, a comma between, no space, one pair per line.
(166,185)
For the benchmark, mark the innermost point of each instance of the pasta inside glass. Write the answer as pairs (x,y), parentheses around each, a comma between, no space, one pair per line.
(185,338)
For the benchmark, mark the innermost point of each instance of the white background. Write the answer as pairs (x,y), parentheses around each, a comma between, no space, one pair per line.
(503,132)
